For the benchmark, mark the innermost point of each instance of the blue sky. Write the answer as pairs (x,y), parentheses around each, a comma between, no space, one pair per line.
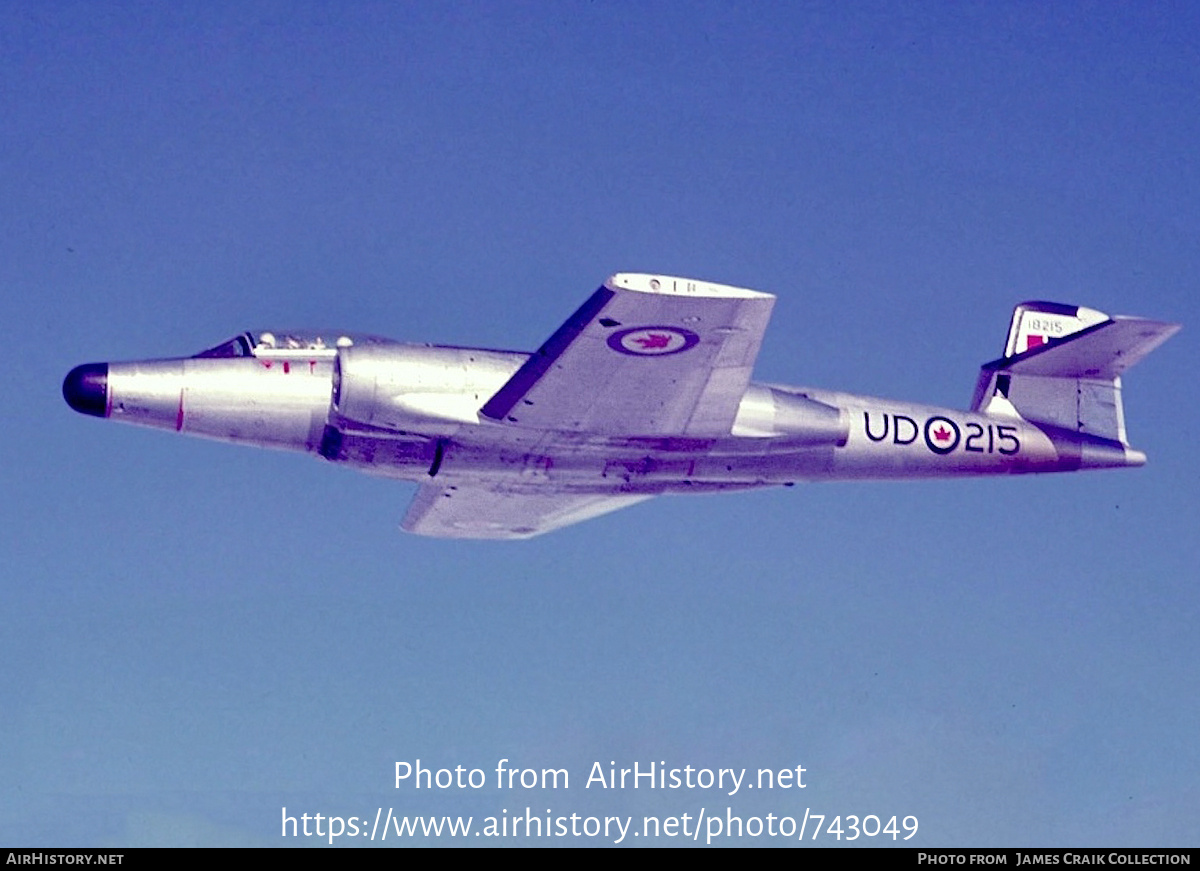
(197,635)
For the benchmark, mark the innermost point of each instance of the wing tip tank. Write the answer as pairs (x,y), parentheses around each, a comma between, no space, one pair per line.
(673,285)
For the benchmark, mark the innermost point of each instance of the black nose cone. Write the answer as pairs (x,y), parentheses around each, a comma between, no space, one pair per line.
(86,389)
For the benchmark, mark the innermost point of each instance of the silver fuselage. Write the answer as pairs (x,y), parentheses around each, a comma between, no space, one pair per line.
(412,412)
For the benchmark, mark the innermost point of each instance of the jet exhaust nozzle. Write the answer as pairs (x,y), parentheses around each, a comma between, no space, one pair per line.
(86,389)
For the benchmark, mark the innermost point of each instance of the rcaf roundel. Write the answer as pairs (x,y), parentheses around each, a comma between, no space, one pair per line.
(941,434)
(652,341)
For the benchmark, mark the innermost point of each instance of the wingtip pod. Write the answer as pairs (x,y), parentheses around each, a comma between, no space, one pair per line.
(674,285)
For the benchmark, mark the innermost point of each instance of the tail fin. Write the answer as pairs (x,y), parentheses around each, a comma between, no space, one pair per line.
(1062,366)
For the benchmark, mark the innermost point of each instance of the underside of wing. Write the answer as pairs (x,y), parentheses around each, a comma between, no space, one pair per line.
(645,355)
(499,512)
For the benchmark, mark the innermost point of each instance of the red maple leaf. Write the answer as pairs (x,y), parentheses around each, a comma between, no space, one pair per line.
(941,433)
(652,341)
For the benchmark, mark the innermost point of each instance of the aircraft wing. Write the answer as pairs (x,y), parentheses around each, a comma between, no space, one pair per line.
(645,355)
(499,512)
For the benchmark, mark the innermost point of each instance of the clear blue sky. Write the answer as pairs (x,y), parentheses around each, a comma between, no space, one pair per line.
(196,635)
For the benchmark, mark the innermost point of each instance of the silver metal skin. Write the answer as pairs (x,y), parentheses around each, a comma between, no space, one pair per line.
(645,390)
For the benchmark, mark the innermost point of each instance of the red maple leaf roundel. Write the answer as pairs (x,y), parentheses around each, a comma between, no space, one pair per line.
(941,433)
(653,341)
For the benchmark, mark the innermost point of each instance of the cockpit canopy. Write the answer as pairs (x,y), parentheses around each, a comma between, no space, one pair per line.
(238,346)
(287,344)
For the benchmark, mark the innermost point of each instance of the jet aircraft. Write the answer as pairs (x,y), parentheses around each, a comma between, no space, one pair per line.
(644,390)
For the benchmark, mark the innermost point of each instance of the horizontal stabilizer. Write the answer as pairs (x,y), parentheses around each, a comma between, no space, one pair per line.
(1063,365)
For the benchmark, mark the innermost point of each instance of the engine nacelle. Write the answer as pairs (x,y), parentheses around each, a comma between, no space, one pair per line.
(769,412)
(416,388)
